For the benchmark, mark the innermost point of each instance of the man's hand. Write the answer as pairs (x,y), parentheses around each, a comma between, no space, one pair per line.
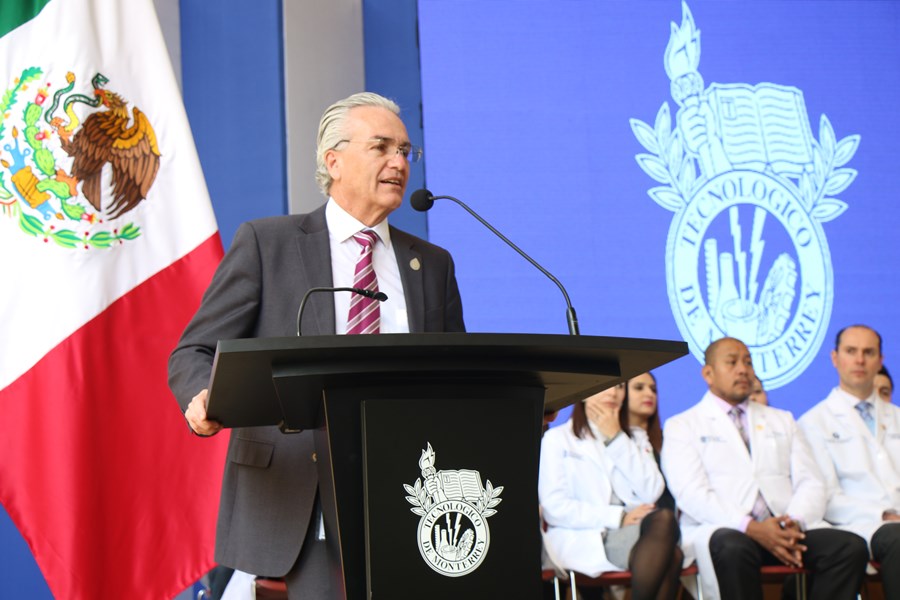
(635,516)
(781,536)
(196,416)
(890,516)
(606,419)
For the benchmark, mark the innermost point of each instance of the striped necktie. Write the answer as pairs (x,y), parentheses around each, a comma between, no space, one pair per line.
(865,411)
(737,413)
(365,313)
(760,510)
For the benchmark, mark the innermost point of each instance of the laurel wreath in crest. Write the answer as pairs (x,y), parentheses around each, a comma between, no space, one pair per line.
(44,162)
(423,502)
(669,164)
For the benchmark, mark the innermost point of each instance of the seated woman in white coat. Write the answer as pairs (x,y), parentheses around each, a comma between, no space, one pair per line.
(598,491)
(640,418)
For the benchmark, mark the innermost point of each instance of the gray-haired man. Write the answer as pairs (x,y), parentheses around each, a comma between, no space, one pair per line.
(268,519)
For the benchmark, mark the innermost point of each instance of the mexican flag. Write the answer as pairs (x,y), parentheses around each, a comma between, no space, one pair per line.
(107,241)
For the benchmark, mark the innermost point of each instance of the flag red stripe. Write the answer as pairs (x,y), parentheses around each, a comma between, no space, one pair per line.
(98,470)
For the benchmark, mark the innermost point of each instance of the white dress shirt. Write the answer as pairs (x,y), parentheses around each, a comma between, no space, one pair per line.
(344,254)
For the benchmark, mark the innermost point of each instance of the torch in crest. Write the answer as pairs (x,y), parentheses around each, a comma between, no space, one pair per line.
(696,118)
(683,57)
(429,474)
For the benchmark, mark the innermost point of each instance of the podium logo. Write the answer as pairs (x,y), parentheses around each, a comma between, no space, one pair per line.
(453,533)
(750,187)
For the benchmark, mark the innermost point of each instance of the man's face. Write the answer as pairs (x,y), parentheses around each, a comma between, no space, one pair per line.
(883,387)
(730,372)
(369,176)
(857,360)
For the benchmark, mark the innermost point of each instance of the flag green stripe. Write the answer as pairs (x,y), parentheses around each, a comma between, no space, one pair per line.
(15,12)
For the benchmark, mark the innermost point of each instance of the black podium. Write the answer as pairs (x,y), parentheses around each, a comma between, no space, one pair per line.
(428,444)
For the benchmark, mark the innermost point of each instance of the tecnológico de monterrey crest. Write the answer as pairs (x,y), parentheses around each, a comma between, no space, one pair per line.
(53,159)
(453,533)
(750,187)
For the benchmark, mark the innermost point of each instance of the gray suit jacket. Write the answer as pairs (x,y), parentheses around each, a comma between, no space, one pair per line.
(270,481)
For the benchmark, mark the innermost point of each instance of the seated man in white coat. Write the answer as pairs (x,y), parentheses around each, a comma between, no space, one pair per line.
(749,490)
(856,439)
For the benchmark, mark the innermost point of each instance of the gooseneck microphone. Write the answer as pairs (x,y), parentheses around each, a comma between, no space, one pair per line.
(422,200)
(380,296)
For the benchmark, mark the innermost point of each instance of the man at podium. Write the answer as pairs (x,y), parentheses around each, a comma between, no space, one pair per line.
(269,517)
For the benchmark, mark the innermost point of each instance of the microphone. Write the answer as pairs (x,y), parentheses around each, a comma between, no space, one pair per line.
(422,200)
(380,296)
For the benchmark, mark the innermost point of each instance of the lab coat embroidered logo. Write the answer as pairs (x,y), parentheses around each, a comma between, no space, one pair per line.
(453,533)
(750,187)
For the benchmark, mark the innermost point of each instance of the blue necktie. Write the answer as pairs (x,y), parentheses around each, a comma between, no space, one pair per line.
(865,411)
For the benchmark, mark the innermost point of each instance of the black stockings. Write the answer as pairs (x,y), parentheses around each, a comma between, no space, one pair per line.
(655,561)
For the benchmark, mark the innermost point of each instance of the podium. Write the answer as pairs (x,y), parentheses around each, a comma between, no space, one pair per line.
(428,444)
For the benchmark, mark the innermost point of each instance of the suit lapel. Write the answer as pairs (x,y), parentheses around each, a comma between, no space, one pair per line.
(880,413)
(411,263)
(721,423)
(314,258)
(756,421)
(590,448)
(849,416)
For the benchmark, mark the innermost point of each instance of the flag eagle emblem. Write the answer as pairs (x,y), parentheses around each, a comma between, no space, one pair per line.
(47,136)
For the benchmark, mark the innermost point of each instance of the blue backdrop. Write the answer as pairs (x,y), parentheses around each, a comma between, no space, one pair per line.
(768,221)
(530,110)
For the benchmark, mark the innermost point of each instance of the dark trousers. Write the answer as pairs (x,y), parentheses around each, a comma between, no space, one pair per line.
(886,550)
(311,576)
(836,559)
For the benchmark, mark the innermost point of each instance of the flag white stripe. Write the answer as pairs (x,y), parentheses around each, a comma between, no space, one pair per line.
(50,291)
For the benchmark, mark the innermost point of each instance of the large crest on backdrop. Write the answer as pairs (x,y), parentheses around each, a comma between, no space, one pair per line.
(751,187)
(73,164)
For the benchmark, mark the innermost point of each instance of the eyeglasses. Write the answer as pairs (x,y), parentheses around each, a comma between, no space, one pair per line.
(388,147)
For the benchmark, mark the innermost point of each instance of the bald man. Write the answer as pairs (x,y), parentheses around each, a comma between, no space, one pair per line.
(856,439)
(750,491)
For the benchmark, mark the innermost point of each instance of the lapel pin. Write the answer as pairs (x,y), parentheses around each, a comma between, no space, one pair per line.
(415,264)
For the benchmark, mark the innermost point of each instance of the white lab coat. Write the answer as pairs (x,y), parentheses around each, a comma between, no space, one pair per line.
(861,470)
(715,480)
(577,478)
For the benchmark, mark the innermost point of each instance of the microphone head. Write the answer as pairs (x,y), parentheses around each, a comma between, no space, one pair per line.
(380,296)
(421,200)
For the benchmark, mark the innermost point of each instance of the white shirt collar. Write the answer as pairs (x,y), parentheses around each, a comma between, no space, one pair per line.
(726,406)
(852,400)
(342,225)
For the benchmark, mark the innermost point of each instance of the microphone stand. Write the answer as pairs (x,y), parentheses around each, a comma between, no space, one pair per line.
(380,296)
(423,204)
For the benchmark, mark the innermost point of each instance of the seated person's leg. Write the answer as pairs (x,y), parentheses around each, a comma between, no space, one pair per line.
(655,560)
(737,560)
(837,560)
(886,550)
